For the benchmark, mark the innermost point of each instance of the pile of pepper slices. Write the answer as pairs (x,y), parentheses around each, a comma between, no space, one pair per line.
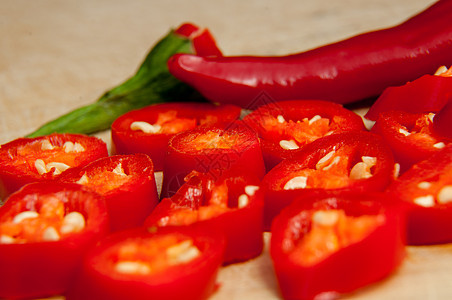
(276,152)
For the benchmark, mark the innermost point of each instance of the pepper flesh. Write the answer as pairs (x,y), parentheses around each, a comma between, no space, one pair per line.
(347,71)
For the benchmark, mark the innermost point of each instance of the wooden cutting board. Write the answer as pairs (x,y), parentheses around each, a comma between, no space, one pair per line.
(58,55)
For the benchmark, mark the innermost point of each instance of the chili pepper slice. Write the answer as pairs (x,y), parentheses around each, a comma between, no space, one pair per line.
(218,149)
(138,264)
(126,181)
(335,243)
(426,191)
(356,161)
(410,136)
(428,93)
(442,123)
(149,129)
(26,160)
(285,127)
(232,206)
(45,229)
(347,71)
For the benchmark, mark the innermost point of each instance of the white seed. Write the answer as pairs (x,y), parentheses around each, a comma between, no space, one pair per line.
(325,159)
(118,170)
(71,147)
(280,119)
(404,132)
(314,119)
(40,165)
(59,167)
(46,145)
(362,169)
(145,127)
(369,160)
(325,217)
(250,190)
(335,161)
(445,194)
(83,180)
(396,170)
(50,234)
(298,182)
(243,201)
(132,267)
(78,147)
(183,252)
(6,239)
(423,185)
(441,70)
(425,201)
(28,214)
(288,145)
(73,222)
(439,145)
(431,116)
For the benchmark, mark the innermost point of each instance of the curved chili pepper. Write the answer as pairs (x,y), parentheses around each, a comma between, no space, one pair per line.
(285,127)
(26,160)
(149,129)
(410,136)
(127,183)
(45,229)
(426,191)
(137,264)
(350,70)
(350,161)
(231,206)
(336,243)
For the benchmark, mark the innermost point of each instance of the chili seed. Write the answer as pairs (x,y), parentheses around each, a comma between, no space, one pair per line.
(132,267)
(46,145)
(250,190)
(425,201)
(145,127)
(183,252)
(445,194)
(243,201)
(288,145)
(50,234)
(325,217)
(298,182)
(73,222)
(28,214)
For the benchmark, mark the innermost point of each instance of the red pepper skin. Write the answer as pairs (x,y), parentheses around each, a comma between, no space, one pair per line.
(426,225)
(357,265)
(241,156)
(203,41)
(41,269)
(17,158)
(428,93)
(442,123)
(407,151)
(131,202)
(195,280)
(340,120)
(347,71)
(241,226)
(363,144)
(128,141)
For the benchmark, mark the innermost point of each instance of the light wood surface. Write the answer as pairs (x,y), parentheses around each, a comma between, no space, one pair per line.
(58,55)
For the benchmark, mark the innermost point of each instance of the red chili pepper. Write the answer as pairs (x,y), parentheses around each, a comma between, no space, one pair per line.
(353,161)
(149,129)
(45,229)
(335,244)
(428,93)
(232,206)
(26,160)
(138,264)
(426,190)
(126,181)
(203,41)
(285,127)
(219,150)
(350,70)
(409,135)
(442,122)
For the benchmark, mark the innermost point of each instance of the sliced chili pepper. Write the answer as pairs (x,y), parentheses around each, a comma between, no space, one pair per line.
(26,160)
(285,127)
(219,150)
(442,123)
(126,181)
(45,229)
(232,206)
(335,243)
(350,70)
(149,129)
(410,136)
(426,190)
(428,93)
(138,264)
(357,161)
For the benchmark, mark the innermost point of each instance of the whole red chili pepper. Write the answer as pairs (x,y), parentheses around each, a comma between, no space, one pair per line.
(350,70)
